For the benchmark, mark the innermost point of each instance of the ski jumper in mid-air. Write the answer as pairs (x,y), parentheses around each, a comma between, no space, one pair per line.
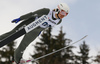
(54,18)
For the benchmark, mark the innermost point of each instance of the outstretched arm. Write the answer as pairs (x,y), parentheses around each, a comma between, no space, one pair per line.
(40,12)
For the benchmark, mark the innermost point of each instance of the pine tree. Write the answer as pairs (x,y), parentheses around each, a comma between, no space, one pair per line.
(68,55)
(50,43)
(7,54)
(84,53)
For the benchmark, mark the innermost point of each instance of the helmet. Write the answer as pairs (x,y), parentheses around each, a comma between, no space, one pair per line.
(63,7)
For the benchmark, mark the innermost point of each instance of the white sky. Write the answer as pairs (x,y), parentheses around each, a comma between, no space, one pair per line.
(82,20)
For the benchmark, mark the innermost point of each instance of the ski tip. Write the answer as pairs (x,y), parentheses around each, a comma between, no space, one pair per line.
(84,36)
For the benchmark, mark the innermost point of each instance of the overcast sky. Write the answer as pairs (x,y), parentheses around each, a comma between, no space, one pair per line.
(83,18)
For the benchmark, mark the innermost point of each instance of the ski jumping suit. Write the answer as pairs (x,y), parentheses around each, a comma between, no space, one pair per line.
(29,37)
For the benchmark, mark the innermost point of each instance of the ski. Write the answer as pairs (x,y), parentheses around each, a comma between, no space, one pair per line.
(24,30)
(34,60)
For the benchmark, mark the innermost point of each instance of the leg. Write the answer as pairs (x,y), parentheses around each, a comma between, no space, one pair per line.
(28,38)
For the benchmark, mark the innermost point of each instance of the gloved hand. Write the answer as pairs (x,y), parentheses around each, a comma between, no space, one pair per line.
(15,20)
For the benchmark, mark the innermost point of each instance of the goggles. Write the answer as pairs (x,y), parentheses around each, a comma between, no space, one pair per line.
(62,12)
